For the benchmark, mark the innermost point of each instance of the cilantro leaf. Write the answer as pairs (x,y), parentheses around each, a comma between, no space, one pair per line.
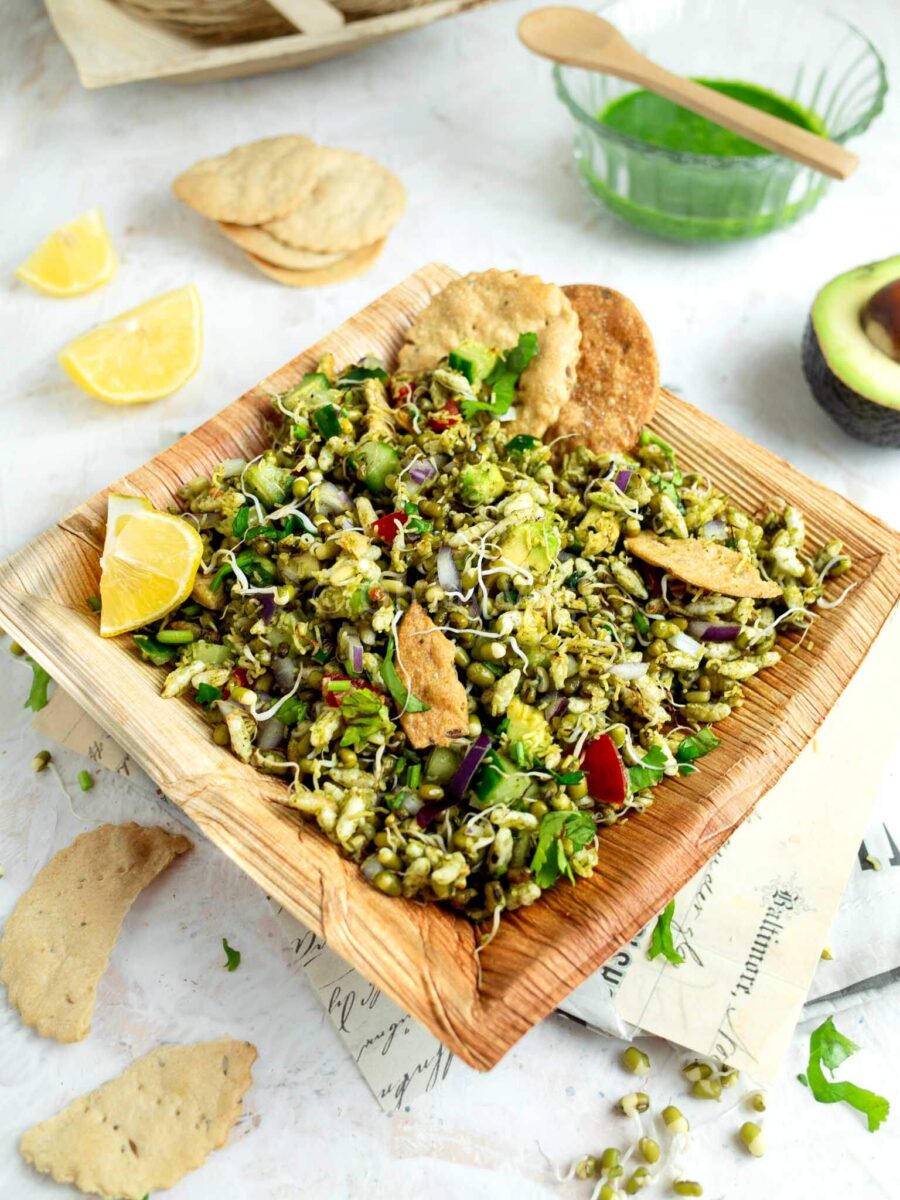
(649,771)
(661,939)
(240,522)
(395,685)
(668,488)
(550,860)
(291,711)
(326,417)
(695,746)
(206,693)
(503,379)
(37,697)
(641,624)
(232,956)
(521,443)
(369,368)
(829,1048)
(365,714)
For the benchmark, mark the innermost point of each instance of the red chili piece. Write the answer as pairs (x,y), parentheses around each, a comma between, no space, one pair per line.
(606,778)
(388,526)
(444,417)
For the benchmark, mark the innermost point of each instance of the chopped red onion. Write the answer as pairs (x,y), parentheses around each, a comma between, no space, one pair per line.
(709,632)
(687,645)
(623,479)
(354,653)
(630,670)
(714,529)
(285,672)
(331,499)
(458,785)
(422,470)
(267,606)
(557,707)
(271,734)
(448,575)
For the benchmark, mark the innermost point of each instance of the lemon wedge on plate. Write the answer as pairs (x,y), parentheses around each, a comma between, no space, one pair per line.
(150,560)
(144,354)
(74,259)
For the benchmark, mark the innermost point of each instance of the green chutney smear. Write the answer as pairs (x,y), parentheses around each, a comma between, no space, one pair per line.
(660,122)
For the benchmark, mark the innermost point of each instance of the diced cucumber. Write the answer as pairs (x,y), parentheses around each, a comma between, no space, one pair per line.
(267,481)
(377,460)
(499,782)
(211,653)
(315,385)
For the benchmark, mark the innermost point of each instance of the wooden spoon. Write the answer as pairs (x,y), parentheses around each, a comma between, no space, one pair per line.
(579,39)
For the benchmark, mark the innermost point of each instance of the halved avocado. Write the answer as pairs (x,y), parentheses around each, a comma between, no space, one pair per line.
(851,351)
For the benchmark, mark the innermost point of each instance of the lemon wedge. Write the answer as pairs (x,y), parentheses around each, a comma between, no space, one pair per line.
(150,560)
(144,354)
(74,259)
(118,507)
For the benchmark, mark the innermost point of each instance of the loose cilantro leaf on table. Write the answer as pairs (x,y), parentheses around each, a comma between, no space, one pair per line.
(395,685)
(37,697)
(695,746)
(648,771)
(829,1048)
(232,956)
(661,941)
(550,859)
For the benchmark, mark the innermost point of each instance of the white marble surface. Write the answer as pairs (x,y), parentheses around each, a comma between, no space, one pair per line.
(470,123)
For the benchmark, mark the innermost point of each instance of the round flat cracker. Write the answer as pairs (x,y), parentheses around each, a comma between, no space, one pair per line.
(253,183)
(617,385)
(494,307)
(703,564)
(348,267)
(262,245)
(353,202)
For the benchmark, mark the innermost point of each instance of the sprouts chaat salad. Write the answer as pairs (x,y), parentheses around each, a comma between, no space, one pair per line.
(465,652)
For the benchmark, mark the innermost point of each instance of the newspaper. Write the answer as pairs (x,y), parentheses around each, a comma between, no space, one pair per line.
(751,925)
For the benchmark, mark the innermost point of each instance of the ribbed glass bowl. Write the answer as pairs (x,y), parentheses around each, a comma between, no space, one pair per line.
(795,49)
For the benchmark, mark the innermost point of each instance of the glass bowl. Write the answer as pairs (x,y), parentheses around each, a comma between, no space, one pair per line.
(797,50)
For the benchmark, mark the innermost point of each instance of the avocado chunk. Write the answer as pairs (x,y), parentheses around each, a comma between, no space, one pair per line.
(267,481)
(499,781)
(534,545)
(473,360)
(851,351)
(528,725)
(481,484)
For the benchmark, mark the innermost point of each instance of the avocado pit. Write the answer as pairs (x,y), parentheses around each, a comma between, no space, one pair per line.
(881,319)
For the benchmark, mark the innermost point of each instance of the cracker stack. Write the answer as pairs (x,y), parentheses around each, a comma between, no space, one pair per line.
(305,215)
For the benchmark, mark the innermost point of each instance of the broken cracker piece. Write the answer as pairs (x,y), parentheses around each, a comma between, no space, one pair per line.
(703,564)
(617,383)
(426,664)
(57,943)
(494,307)
(143,1131)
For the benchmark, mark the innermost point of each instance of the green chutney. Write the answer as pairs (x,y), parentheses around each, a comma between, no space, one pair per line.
(651,118)
(695,198)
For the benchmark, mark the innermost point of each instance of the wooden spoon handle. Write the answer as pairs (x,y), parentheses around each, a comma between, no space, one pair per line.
(792,141)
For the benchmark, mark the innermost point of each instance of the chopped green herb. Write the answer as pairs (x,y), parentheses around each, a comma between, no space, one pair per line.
(829,1048)
(232,957)
(85,780)
(520,443)
(291,711)
(694,746)
(240,522)
(413,775)
(573,580)
(566,778)
(206,693)
(418,525)
(801,1078)
(365,714)
(190,610)
(519,754)
(394,684)
(328,421)
(522,353)
(300,432)
(641,624)
(649,771)
(503,379)
(321,655)
(661,939)
(37,697)
(550,859)
(369,368)
(152,650)
(94,603)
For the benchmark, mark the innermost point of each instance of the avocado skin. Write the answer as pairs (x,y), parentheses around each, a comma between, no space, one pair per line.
(861,418)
